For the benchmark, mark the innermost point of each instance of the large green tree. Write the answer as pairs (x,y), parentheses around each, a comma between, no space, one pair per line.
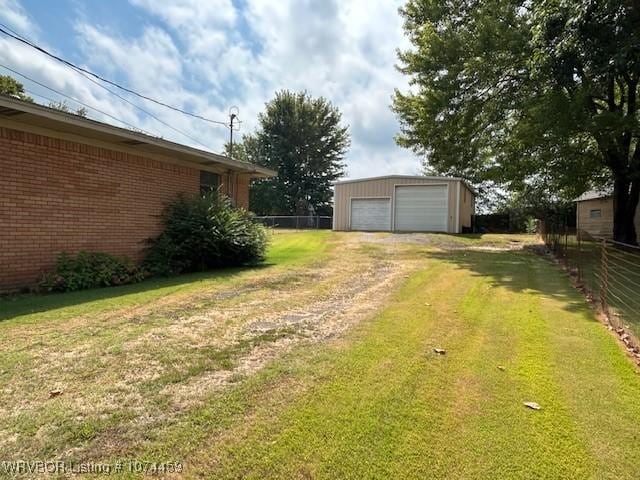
(10,86)
(304,140)
(532,95)
(246,150)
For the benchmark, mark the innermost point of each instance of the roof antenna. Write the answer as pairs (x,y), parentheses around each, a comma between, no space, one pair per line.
(233,115)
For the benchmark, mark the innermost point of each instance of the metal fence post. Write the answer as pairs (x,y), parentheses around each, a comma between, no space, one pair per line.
(566,243)
(604,277)
(579,256)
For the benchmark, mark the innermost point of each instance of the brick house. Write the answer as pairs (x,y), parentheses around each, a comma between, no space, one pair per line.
(69,183)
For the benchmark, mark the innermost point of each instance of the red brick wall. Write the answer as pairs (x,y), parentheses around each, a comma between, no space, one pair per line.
(242,193)
(57,195)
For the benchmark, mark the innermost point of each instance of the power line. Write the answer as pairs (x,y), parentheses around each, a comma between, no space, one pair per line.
(21,39)
(97,110)
(66,96)
(114,93)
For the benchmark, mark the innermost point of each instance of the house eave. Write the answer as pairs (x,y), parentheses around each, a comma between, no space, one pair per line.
(19,111)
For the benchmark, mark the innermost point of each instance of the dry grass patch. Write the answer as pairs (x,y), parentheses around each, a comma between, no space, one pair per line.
(126,371)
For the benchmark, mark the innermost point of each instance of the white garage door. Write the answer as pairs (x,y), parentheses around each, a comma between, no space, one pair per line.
(370,214)
(421,208)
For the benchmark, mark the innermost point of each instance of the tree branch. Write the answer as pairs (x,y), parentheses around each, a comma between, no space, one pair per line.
(627,136)
(611,93)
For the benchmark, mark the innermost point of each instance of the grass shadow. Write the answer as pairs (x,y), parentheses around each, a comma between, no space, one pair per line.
(519,271)
(24,304)
(285,249)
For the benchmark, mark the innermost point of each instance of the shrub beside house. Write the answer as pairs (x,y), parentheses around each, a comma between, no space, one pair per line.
(72,184)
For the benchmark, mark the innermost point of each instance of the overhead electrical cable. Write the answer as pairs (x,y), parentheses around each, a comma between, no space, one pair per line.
(70,98)
(9,32)
(100,111)
(17,37)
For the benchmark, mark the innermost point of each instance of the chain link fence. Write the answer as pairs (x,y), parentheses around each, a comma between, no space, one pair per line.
(297,222)
(608,271)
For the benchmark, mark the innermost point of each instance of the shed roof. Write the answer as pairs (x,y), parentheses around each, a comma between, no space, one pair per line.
(593,195)
(44,117)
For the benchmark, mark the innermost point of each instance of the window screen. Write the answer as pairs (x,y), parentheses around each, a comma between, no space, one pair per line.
(597,213)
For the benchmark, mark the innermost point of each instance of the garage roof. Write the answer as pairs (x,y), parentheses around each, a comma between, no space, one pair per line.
(39,116)
(420,177)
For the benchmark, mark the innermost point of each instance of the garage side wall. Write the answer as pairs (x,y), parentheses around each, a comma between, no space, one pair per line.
(467,207)
(380,188)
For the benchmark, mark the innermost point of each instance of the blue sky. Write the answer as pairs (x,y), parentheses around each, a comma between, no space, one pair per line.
(207,55)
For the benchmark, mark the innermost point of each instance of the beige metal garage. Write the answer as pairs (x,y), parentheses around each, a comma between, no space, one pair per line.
(403,203)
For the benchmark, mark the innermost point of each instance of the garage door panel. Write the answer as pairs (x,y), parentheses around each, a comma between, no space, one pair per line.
(370,214)
(421,208)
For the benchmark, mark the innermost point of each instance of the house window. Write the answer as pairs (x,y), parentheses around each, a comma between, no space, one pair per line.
(209,182)
(596,213)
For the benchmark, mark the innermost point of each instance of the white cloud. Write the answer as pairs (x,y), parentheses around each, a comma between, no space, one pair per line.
(60,78)
(12,13)
(180,13)
(203,25)
(206,55)
(150,60)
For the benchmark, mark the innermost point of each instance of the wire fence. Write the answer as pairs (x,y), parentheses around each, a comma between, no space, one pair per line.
(297,222)
(608,271)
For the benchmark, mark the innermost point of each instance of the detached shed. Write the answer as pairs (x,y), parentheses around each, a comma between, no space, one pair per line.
(594,214)
(402,203)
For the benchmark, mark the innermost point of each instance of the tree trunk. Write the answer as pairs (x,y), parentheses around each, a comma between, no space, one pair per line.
(625,203)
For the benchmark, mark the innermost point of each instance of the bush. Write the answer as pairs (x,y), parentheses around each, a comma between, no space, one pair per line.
(532,225)
(202,233)
(90,270)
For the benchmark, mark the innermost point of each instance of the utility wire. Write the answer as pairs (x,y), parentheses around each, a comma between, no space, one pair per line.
(100,111)
(7,31)
(70,98)
(78,70)
(105,113)
(140,108)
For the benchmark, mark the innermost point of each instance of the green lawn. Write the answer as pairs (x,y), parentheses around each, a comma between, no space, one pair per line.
(286,249)
(373,401)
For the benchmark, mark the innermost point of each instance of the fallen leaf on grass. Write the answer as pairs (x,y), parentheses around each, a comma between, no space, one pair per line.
(532,405)
(440,351)
(55,393)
